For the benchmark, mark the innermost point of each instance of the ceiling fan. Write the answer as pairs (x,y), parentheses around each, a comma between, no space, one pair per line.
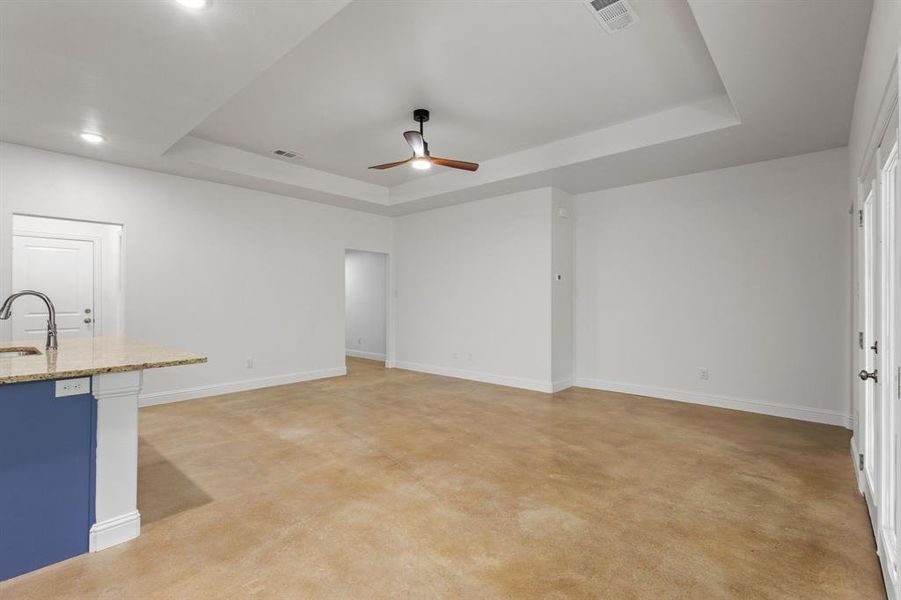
(421,158)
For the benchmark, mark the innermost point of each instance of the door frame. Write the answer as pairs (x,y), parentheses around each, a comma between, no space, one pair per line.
(109,304)
(872,300)
(889,361)
(390,297)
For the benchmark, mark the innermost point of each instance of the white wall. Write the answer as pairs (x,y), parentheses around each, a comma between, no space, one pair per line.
(214,269)
(561,289)
(741,271)
(474,295)
(365,295)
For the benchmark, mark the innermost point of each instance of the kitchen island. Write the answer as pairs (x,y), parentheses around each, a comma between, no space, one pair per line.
(69,446)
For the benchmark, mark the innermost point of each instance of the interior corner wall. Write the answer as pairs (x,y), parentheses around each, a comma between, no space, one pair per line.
(214,269)
(742,272)
(561,289)
(365,295)
(474,291)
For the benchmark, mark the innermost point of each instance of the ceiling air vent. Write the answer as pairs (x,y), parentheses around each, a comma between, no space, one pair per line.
(286,154)
(613,15)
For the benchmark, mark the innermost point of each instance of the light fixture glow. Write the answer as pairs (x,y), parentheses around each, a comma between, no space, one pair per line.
(195,4)
(421,164)
(92,138)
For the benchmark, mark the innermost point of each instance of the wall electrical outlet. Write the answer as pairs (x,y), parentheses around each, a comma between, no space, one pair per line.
(73,387)
(249,362)
(704,374)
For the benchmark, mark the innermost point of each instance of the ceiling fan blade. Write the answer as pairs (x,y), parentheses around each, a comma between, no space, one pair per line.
(414,138)
(391,164)
(455,164)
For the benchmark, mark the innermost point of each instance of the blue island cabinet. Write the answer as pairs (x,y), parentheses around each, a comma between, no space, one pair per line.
(47,447)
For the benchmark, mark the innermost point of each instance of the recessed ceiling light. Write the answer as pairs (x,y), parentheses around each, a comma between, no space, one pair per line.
(195,4)
(421,164)
(92,138)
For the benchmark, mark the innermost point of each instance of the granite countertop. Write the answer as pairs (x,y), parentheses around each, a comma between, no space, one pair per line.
(79,357)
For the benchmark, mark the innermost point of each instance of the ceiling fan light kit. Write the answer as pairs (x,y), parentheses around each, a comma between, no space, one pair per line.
(421,158)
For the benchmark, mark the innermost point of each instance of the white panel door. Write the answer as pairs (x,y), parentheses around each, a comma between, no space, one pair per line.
(882,321)
(872,304)
(64,270)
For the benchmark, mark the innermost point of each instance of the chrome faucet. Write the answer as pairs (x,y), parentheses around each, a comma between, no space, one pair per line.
(6,313)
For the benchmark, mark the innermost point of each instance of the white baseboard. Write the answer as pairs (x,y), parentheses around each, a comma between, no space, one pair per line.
(202,391)
(517,382)
(855,463)
(114,531)
(802,413)
(890,592)
(364,354)
(559,386)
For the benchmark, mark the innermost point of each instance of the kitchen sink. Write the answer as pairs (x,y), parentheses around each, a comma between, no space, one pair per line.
(18,351)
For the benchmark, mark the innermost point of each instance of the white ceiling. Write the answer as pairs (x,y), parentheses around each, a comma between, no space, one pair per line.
(141,73)
(535,91)
(498,77)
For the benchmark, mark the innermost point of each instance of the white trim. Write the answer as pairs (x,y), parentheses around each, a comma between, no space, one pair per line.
(215,389)
(116,486)
(114,531)
(559,386)
(855,462)
(883,118)
(527,384)
(883,550)
(364,354)
(803,413)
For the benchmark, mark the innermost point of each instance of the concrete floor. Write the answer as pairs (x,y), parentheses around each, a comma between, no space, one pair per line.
(394,484)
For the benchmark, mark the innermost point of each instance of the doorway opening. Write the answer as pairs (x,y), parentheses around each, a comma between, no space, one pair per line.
(78,264)
(365,304)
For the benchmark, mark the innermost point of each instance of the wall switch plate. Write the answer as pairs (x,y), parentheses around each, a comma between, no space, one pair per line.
(73,387)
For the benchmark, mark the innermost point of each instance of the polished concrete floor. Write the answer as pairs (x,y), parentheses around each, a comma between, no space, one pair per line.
(394,484)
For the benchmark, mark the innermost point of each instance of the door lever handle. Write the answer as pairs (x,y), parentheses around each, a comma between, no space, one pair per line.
(864,375)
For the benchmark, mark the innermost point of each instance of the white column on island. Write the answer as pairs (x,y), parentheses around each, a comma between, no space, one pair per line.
(116,496)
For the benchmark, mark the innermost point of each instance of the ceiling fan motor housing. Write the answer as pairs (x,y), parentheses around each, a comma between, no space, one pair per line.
(421,158)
